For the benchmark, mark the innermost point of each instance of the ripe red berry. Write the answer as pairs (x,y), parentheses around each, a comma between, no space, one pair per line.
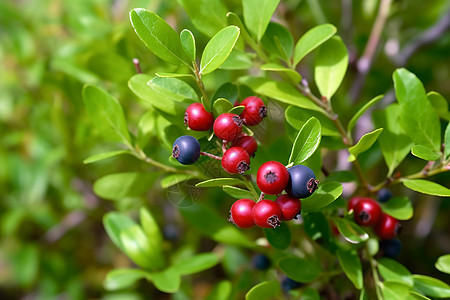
(254,112)
(236,160)
(272,177)
(266,214)
(246,142)
(241,213)
(367,212)
(290,206)
(354,200)
(197,118)
(227,126)
(388,227)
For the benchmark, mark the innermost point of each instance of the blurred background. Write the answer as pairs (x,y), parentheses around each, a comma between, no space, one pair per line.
(52,241)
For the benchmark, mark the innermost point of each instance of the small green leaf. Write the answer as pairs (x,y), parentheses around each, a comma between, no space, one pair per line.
(218,49)
(312,39)
(351,232)
(221,106)
(293,75)
(151,229)
(233,19)
(114,224)
(122,278)
(237,192)
(219,182)
(395,290)
(167,281)
(158,36)
(264,291)
(174,75)
(310,294)
(146,128)
(208,16)
(427,187)
(443,263)
(106,113)
(361,111)
(257,15)
(425,153)
(237,110)
(299,269)
(228,90)
(306,142)
(398,207)
(392,270)
(197,263)
(221,291)
(237,60)
(173,89)
(447,142)
(431,286)
(104,155)
(279,237)
(188,43)
(325,194)
(351,264)
(172,179)
(331,65)
(364,144)
(440,105)
(317,227)
(297,117)
(278,41)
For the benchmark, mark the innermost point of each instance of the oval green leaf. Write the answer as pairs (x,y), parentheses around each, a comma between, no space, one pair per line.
(257,15)
(219,182)
(443,263)
(431,286)
(114,224)
(300,269)
(361,111)
(293,75)
(297,117)
(151,229)
(312,39)
(279,237)
(351,264)
(264,290)
(207,16)
(351,232)
(196,263)
(392,270)
(188,43)
(105,155)
(173,89)
(425,153)
(325,194)
(122,278)
(306,142)
(237,192)
(278,41)
(221,291)
(399,208)
(221,106)
(167,281)
(427,187)
(364,144)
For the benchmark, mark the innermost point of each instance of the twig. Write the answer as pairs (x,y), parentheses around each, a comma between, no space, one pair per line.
(210,155)
(137,65)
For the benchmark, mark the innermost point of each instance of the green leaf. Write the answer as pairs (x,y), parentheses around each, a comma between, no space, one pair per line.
(293,75)
(312,39)
(221,291)
(121,185)
(264,291)
(394,143)
(297,117)
(173,89)
(395,290)
(257,15)
(351,264)
(237,110)
(197,263)
(146,128)
(440,105)
(151,230)
(310,294)
(431,286)
(331,65)
(174,75)
(279,237)
(218,49)
(188,43)
(122,278)
(233,19)
(299,269)
(237,60)
(219,182)
(158,36)
(398,207)
(351,232)
(392,270)
(427,187)
(325,194)
(228,90)
(208,16)
(167,281)
(278,41)
(114,224)
(317,227)
(447,142)
(237,192)
(418,118)
(221,106)
(425,153)
(443,263)
(364,144)
(306,142)
(279,91)
(174,179)
(106,113)
(361,111)
(104,155)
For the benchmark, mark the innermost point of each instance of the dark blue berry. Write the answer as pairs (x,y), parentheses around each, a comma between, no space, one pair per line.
(302,182)
(391,248)
(261,262)
(384,195)
(186,150)
(288,284)
(171,232)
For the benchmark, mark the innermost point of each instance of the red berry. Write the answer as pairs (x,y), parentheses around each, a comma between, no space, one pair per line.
(388,227)
(266,214)
(254,111)
(246,142)
(290,206)
(367,212)
(235,160)
(227,126)
(241,213)
(354,200)
(272,177)
(197,118)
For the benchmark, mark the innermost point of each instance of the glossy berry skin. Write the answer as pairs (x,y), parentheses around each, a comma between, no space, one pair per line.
(227,126)
(261,262)
(197,118)
(288,284)
(241,213)
(272,177)
(367,212)
(290,207)
(391,248)
(302,182)
(254,112)
(236,160)
(246,142)
(354,200)
(388,227)
(384,195)
(266,214)
(186,150)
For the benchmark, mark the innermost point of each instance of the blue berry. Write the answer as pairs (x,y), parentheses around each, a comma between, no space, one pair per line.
(302,182)
(288,284)
(261,262)
(384,195)
(391,248)
(186,149)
